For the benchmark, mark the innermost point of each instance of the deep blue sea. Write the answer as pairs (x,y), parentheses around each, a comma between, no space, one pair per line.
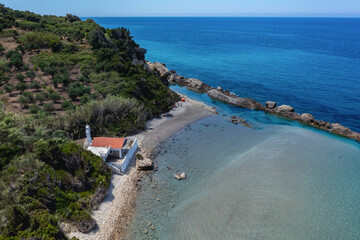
(280,180)
(312,64)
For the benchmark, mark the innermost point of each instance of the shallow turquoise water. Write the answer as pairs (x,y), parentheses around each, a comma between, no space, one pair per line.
(280,180)
(274,182)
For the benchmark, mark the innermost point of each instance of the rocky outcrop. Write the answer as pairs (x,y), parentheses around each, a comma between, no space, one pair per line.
(160,67)
(270,104)
(226,96)
(285,108)
(307,118)
(234,100)
(340,129)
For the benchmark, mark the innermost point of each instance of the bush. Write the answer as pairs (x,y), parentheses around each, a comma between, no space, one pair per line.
(20,77)
(77,89)
(23,100)
(31,74)
(21,86)
(9,88)
(55,96)
(29,95)
(36,40)
(40,98)
(67,105)
(35,85)
(2,49)
(33,109)
(15,59)
(49,107)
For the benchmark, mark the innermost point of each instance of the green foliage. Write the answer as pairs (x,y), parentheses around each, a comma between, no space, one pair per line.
(9,88)
(68,105)
(31,74)
(21,86)
(36,40)
(77,89)
(72,18)
(114,116)
(15,59)
(49,107)
(35,85)
(20,77)
(55,96)
(2,49)
(33,109)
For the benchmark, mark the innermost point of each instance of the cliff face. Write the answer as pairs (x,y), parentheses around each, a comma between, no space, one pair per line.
(226,96)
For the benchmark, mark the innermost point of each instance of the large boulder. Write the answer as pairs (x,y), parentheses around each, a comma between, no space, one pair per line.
(270,104)
(160,67)
(340,129)
(234,100)
(307,118)
(285,108)
(197,85)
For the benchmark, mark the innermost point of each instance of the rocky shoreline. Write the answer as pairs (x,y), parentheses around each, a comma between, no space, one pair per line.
(271,107)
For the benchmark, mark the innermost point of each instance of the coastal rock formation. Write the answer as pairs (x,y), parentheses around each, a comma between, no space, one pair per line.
(180,176)
(234,100)
(270,104)
(340,129)
(226,96)
(285,108)
(307,118)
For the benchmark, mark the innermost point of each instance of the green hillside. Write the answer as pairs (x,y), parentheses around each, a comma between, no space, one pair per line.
(56,75)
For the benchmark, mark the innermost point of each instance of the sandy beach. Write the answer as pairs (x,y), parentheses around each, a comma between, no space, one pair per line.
(114,214)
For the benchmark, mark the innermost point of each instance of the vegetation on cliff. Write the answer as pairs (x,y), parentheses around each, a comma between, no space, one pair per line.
(56,75)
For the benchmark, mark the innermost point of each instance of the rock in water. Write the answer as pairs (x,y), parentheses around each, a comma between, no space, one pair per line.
(307,118)
(340,129)
(180,176)
(270,104)
(285,108)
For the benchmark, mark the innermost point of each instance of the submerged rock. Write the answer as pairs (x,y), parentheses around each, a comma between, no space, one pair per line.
(180,176)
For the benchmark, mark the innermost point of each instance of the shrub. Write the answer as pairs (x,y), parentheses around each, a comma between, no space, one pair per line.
(77,89)
(33,109)
(84,99)
(40,98)
(15,59)
(55,45)
(31,74)
(29,95)
(21,86)
(49,107)
(2,49)
(36,40)
(35,85)
(9,88)
(68,105)
(20,77)
(55,96)
(24,101)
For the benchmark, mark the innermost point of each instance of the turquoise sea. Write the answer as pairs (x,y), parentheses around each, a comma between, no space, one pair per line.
(280,180)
